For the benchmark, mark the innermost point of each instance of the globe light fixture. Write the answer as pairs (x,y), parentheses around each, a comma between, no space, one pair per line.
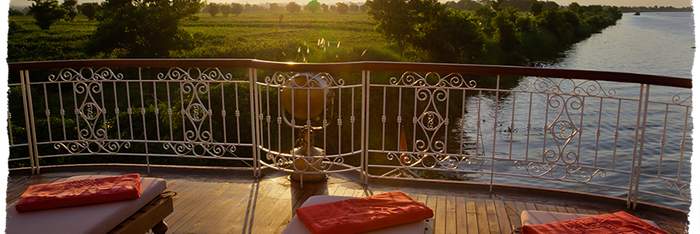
(305,96)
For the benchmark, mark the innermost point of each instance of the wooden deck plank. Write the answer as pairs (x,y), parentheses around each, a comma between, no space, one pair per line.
(551,208)
(571,210)
(503,218)
(339,191)
(266,205)
(482,216)
(541,207)
(492,216)
(255,201)
(196,204)
(530,206)
(513,214)
(268,217)
(439,209)
(194,224)
(183,199)
(285,214)
(233,198)
(561,209)
(450,220)
(233,212)
(472,217)
(460,215)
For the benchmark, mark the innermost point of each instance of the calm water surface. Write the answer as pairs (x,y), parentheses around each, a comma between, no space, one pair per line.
(657,43)
(652,43)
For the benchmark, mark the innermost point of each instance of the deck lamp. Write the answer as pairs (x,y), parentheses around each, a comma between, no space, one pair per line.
(305,96)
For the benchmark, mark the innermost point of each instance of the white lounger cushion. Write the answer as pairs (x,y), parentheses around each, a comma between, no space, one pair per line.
(296,226)
(532,217)
(89,219)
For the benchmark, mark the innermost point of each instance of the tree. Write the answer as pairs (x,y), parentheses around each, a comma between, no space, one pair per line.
(574,7)
(439,39)
(88,9)
(46,12)
(236,9)
(536,8)
(324,7)
(342,8)
(122,30)
(354,7)
(213,9)
(275,7)
(15,12)
(364,8)
(69,5)
(293,7)
(313,6)
(225,9)
(395,19)
(555,21)
(506,31)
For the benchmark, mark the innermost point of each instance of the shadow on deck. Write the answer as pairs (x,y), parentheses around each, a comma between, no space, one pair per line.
(218,201)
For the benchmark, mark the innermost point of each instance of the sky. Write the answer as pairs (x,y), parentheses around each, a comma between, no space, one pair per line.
(651,3)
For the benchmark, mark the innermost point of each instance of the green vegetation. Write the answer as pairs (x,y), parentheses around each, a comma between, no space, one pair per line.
(46,12)
(493,34)
(655,9)
(142,28)
(417,30)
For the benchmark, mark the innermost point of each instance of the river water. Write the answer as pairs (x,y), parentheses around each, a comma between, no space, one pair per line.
(658,43)
(652,43)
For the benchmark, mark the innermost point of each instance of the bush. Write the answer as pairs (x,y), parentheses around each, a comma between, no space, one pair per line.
(122,29)
(14,27)
(46,12)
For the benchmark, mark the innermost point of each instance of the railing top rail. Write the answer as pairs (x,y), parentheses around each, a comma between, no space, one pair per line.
(366,65)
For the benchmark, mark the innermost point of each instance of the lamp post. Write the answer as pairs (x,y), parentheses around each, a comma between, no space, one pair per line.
(305,96)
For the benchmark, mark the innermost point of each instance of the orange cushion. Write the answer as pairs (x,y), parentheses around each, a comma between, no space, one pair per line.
(619,222)
(363,214)
(80,192)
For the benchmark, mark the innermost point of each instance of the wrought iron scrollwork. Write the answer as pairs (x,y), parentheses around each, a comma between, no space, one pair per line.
(85,74)
(577,173)
(198,141)
(92,130)
(568,87)
(683,191)
(195,74)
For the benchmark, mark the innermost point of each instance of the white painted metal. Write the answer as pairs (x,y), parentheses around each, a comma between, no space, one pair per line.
(573,133)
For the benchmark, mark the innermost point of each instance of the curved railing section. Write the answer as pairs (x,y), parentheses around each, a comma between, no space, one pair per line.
(616,134)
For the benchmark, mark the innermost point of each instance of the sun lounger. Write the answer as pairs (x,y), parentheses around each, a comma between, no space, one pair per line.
(530,218)
(296,226)
(126,216)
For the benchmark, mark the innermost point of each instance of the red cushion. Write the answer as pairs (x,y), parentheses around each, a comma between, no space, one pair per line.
(363,214)
(619,222)
(80,192)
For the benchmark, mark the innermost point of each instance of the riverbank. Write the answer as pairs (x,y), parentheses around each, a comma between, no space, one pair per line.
(326,37)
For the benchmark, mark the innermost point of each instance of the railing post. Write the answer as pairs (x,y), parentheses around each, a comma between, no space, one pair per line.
(632,198)
(495,122)
(143,119)
(29,121)
(254,109)
(641,146)
(364,159)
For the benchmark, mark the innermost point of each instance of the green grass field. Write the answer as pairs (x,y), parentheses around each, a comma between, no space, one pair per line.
(276,36)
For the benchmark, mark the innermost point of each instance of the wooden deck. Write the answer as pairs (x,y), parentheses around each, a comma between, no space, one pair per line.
(234,202)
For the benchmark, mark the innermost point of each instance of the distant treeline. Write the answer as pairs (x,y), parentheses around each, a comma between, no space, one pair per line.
(490,32)
(656,9)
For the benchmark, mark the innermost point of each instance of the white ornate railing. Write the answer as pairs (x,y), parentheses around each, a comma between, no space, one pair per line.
(616,134)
